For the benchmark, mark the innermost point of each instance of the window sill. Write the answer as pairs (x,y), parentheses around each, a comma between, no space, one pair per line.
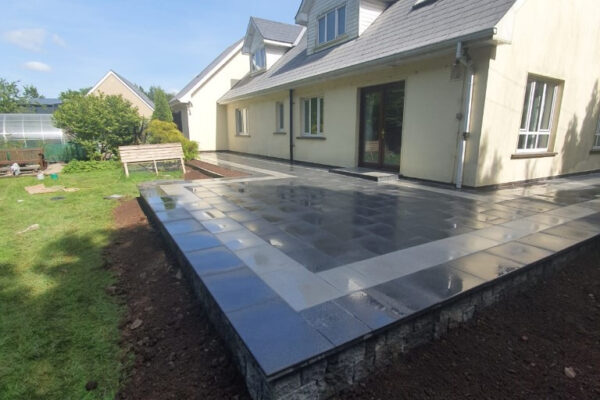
(280,133)
(258,72)
(595,150)
(245,135)
(521,156)
(316,137)
(331,43)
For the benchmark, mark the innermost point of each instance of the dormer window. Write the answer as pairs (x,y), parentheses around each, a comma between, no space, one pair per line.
(258,61)
(332,25)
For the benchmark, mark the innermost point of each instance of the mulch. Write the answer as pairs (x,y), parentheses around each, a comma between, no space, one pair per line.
(224,172)
(193,174)
(518,349)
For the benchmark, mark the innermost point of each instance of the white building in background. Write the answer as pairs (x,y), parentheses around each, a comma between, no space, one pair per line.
(195,108)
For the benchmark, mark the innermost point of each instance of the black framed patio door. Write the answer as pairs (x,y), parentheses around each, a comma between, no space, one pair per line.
(381,120)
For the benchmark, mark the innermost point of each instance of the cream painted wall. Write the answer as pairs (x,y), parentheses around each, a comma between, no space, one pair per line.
(113,86)
(431,129)
(559,41)
(202,113)
(261,127)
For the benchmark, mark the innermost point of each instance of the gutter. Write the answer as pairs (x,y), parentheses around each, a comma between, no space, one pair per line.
(486,34)
(291,126)
(462,57)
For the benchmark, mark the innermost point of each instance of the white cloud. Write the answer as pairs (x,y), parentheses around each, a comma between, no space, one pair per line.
(58,40)
(28,39)
(37,66)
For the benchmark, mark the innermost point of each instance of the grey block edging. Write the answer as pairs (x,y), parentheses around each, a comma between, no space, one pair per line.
(329,373)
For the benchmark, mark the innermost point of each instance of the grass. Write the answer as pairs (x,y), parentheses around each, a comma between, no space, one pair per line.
(58,327)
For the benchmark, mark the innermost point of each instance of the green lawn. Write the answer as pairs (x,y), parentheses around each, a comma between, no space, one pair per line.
(58,327)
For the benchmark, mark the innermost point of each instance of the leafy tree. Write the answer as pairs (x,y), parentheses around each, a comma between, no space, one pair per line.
(10,99)
(31,92)
(162,110)
(152,92)
(98,123)
(166,132)
(13,99)
(73,93)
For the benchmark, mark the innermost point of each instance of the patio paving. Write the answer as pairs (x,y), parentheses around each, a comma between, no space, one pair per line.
(302,261)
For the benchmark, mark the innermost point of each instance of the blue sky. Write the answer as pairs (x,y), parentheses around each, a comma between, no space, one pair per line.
(69,44)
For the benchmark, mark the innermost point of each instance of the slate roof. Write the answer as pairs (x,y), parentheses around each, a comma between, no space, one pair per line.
(206,71)
(277,31)
(136,89)
(399,31)
(41,101)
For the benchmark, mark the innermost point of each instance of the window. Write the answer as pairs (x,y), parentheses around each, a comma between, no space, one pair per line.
(597,138)
(313,111)
(241,121)
(332,25)
(280,117)
(538,112)
(258,60)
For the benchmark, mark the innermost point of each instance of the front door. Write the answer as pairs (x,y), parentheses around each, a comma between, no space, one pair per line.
(382,111)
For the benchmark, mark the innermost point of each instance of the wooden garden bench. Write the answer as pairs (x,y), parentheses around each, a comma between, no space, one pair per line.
(22,157)
(151,152)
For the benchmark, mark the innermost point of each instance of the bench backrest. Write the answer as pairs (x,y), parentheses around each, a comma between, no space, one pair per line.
(20,156)
(151,152)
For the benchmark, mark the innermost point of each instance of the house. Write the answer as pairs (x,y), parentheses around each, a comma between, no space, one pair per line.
(114,84)
(473,93)
(43,106)
(195,107)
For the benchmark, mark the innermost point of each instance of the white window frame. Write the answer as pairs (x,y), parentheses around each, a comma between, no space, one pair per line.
(540,132)
(241,121)
(279,116)
(307,107)
(254,67)
(597,136)
(336,34)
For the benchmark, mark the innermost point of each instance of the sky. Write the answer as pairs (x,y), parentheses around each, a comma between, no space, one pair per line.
(71,44)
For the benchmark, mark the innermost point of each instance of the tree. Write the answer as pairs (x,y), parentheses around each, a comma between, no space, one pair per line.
(73,93)
(30,92)
(166,132)
(10,99)
(152,92)
(98,123)
(162,110)
(13,100)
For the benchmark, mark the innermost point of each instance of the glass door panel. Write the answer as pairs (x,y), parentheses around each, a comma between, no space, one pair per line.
(371,127)
(392,125)
(382,112)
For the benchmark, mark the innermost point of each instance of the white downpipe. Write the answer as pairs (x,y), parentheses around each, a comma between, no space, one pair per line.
(462,145)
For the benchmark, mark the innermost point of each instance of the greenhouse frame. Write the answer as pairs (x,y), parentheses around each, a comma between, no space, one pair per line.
(28,131)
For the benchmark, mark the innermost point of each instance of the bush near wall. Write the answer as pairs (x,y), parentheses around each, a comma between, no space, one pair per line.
(75,166)
(167,132)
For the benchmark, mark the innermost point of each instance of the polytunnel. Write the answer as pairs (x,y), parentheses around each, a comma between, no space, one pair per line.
(35,128)
(26,131)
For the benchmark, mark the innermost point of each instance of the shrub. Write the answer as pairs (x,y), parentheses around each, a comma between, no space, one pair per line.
(75,166)
(98,123)
(167,132)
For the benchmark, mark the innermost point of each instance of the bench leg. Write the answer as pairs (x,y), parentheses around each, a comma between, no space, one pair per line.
(182,165)
(126,170)
(155,167)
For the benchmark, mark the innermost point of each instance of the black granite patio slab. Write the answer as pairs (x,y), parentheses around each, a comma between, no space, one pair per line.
(314,278)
